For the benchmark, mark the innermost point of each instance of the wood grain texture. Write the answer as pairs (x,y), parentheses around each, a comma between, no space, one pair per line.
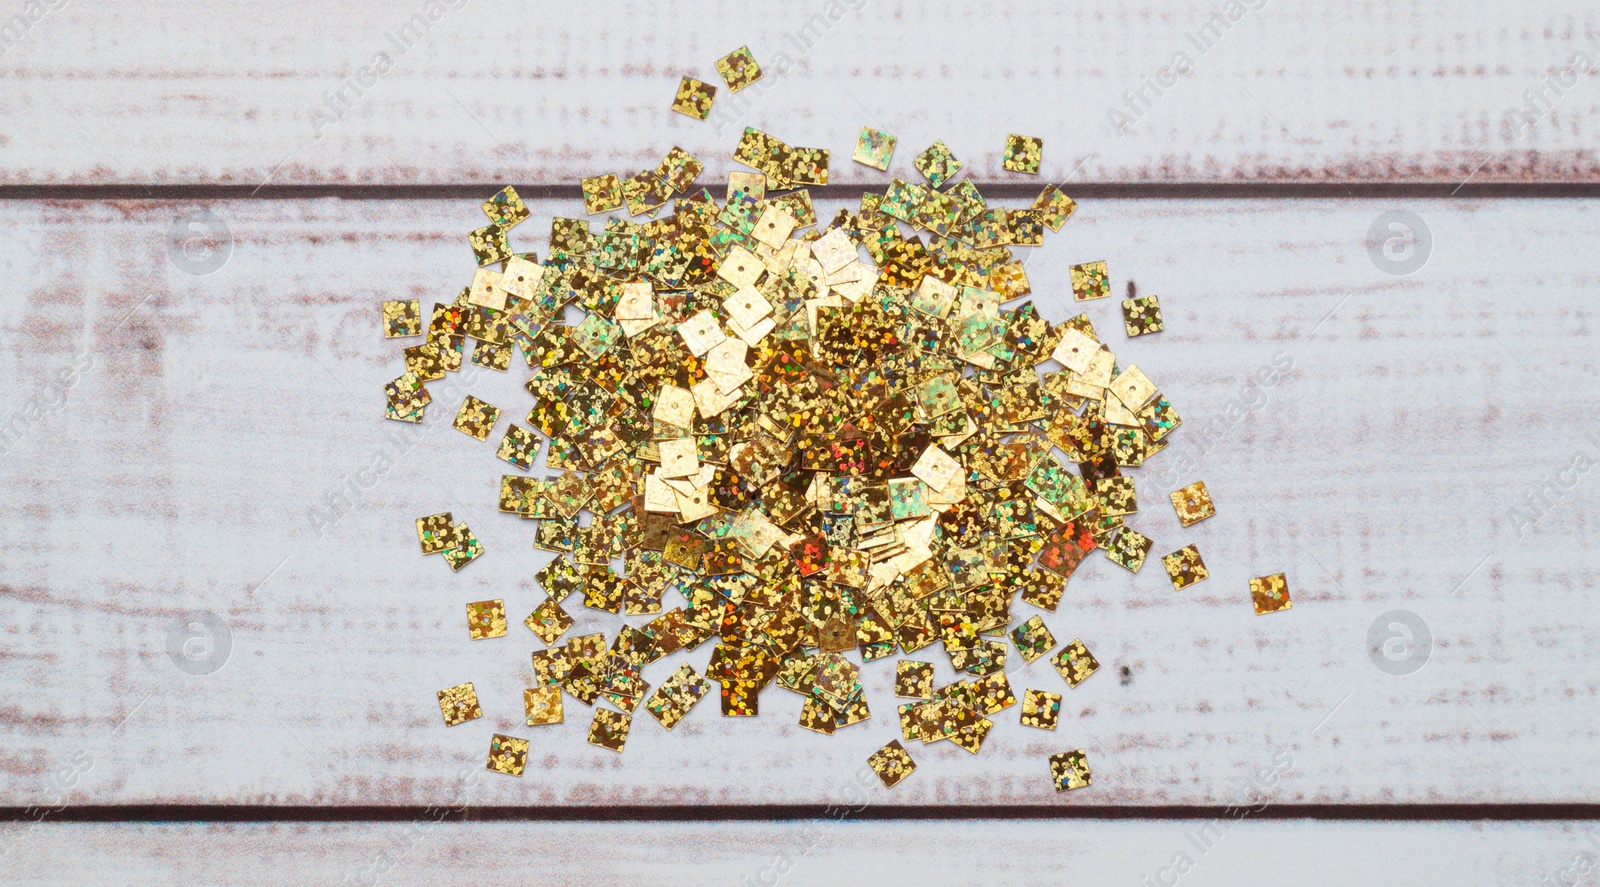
(795,853)
(184,92)
(182,469)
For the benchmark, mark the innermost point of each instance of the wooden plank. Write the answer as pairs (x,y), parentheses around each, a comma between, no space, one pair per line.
(182,470)
(184,92)
(801,853)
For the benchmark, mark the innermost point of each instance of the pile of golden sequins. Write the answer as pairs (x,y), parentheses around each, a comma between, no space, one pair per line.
(811,445)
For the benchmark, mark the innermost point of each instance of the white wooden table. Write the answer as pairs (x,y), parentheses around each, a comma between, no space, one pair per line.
(210,414)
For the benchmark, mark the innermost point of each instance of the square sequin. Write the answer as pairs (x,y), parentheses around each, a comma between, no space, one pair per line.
(1023,153)
(874,148)
(507,754)
(1069,770)
(1184,567)
(1142,316)
(1075,663)
(892,763)
(694,98)
(1193,503)
(1041,709)
(739,68)
(459,704)
(1270,593)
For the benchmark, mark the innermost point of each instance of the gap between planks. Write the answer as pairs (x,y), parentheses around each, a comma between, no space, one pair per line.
(999,190)
(1529,812)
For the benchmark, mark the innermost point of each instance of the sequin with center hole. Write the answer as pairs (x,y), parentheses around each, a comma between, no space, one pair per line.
(1128,549)
(1184,567)
(476,418)
(694,98)
(892,763)
(506,209)
(520,447)
(486,619)
(1193,503)
(542,705)
(1075,663)
(1270,593)
(466,550)
(1055,206)
(1142,316)
(913,680)
(1069,770)
(436,532)
(1040,709)
(1032,639)
(1023,153)
(507,754)
(602,193)
(1090,281)
(739,69)
(402,318)
(549,621)
(937,164)
(459,704)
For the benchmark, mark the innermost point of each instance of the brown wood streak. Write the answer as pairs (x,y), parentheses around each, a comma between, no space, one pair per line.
(656,813)
(181,471)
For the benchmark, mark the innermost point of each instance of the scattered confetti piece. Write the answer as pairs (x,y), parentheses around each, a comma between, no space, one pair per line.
(459,704)
(542,705)
(1069,770)
(874,148)
(1270,594)
(694,98)
(1040,709)
(1075,663)
(739,69)
(402,319)
(1023,154)
(1184,567)
(892,763)
(486,619)
(476,418)
(507,754)
(1142,316)
(1193,503)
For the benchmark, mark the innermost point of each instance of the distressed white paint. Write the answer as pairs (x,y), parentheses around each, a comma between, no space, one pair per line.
(195,92)
(180,471)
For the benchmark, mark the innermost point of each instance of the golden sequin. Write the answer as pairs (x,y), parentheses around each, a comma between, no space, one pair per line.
(829,436)
(892,763)
(459,704)
(1193,503)
(1270,593)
